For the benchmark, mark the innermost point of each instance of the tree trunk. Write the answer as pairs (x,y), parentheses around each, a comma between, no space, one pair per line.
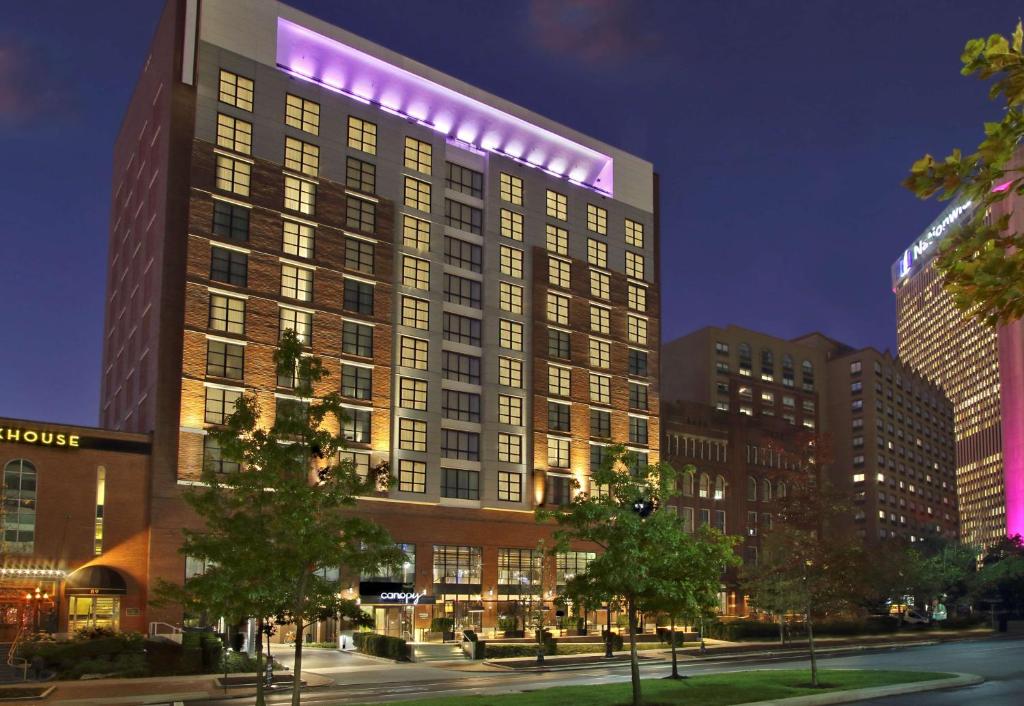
(634,664)
(672,636)
(297,667)
(810,642)
(782,629)
(260,700)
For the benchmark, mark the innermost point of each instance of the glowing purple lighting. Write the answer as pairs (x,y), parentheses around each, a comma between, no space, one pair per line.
(1011,393)
(314,57)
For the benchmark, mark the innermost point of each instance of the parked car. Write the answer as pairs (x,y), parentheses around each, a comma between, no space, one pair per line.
(912,616)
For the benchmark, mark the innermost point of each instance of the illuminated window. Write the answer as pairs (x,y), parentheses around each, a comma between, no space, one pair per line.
(415,272)
(511,189)
(510,487)
(600,353)
(417,194)
(600,285)
(360,175)
(18,520)
(233,175)
(296,282)
(415,312)
(234,134)
(636,329)
(556,205)
(413,353)
(302,114)
(510,409)
(558,309)
(634,233)
(510,448)
(511,224)
(299,195)
(227,314)
(220,404)
(558,452)
(510,335)
(412,393)
(418,155)
(412,434)
(634,265)
(558,381)
(415,233)
(597,219)
(412,476)
(600,389)
(511,261)
(510,372)
(362,135)
(558,273)
(301,156)
(297,239)
(557,239)
(511,297)
(636,297)
(235,90)
(597,253)
(301,322)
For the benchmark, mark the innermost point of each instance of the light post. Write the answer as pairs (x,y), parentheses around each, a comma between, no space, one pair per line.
(33,599)
(608,629)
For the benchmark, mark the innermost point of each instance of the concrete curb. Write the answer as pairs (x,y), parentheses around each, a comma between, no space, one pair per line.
(875,692)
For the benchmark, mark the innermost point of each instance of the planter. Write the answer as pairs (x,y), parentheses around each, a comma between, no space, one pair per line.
(581,632)
(515,633)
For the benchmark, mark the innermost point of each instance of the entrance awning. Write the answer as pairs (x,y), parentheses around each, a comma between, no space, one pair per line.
(96,579)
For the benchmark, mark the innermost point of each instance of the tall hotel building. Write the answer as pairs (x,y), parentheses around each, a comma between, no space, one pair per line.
(481,282)
(981,370)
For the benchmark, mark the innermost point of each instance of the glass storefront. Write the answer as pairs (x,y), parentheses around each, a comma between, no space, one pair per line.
(93,612)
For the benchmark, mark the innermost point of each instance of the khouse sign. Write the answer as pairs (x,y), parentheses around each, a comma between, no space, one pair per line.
(39,437)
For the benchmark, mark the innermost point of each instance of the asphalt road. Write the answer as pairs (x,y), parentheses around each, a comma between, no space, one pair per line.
(999,660)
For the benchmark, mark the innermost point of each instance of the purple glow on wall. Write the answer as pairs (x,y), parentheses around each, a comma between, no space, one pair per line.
(1011,392)
(314,57)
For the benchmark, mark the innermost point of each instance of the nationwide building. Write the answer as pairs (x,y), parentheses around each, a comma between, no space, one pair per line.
(481,282)
(981,370)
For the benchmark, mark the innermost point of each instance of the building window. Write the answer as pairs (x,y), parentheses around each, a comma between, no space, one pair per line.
(558,273)
(510,297)
(213,457)
(415,313)
(636,330)
(462,291)
(230,221)
(359,255)
(360,175)
(461,367)
(600,389)
(855,367)
(297,239)
(510,335)
(415,233)
(637,430)
(634,233)
(225,360)
(597,253)
(417,194)
(600,285)
(558,416)
(510,487)
(356,382)
(637,395)
(356,425)
(299,195)
(235,90)
(600,353)
(511,189)
(600,423)
(570,564)
(511,224)
(301,322)
(461,406)
(766,489)
(597,219)
(511,262)
(598,456)
(634,265)
(362,135)
(557,239)
(751,488)
(220,404)
(412,476)
(357,339)
(358,296)
(704,486)
(233,175)
(558,344)
(461,329)
(360,214)
(296,283)
(302,114)
(301,156)
(459,215)
(229,266)
(460,445)
(468,256)
(234,134)
(558,381)
(227,314)
(558,452)
(636,297)
(456,565)
(412,352)
(637,363)
(510,410)
(465,180)
(719,523)
(460,484)
(510,372)
(418,155)
(415,272)
(412,434)
(558,309)
(18,520)
(510,448)
(556,205)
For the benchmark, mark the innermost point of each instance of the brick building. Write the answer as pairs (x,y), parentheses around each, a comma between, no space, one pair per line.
(74,531)
(482,284)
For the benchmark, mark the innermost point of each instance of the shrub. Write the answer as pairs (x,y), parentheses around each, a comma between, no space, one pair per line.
(662,621)
(616,641)
(382,646)
(741,630)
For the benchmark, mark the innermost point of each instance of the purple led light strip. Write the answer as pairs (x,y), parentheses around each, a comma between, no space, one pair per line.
(313,57)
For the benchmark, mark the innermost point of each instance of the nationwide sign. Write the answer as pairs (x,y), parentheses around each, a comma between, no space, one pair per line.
(924,248)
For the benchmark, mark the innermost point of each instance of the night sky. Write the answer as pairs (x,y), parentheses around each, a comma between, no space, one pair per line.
(781,131)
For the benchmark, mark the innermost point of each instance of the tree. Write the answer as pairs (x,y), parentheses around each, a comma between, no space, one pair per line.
(626,519)
(771,589)
(278,522)
(982,260)
(1001,578)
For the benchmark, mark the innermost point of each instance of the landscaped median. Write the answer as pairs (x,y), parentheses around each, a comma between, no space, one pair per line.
(716,689)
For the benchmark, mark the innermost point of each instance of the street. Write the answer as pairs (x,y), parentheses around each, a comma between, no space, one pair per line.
(999,660)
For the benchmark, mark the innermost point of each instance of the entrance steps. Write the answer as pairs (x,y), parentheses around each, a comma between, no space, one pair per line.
(437,652)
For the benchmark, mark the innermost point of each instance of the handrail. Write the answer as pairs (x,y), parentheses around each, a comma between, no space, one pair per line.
(13,660)
(153,628)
